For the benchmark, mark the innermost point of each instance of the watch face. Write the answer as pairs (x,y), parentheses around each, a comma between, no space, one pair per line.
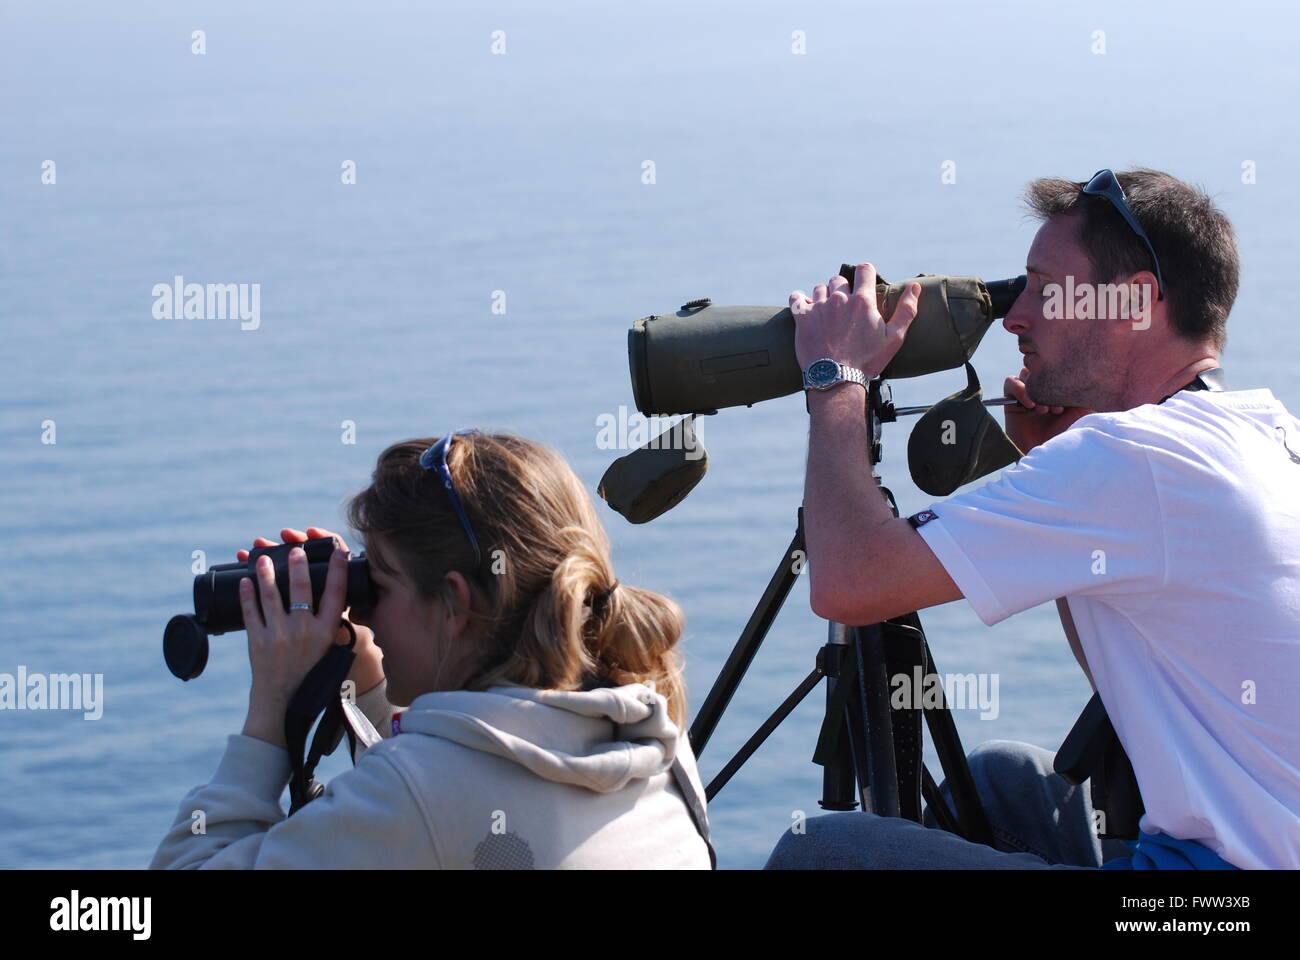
(823,371)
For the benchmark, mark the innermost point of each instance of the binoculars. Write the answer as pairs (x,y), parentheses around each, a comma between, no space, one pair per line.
(216,599)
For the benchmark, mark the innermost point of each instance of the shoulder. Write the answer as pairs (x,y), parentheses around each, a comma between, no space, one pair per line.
(1095,446)
(437,770)
(1178,425)
(1192,440)
(409,756)
(1195,427)
(1139,425)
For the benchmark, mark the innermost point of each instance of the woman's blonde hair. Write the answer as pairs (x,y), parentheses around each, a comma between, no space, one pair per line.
(545,581)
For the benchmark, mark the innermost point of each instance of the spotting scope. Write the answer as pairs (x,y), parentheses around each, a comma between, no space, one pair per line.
(704,357)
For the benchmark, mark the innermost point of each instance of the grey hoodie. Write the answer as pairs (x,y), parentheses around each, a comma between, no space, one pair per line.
(509,777)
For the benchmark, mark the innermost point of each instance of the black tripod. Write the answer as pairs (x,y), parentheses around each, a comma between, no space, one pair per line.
(870,752)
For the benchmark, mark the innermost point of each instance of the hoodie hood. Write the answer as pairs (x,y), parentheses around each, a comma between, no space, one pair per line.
(597,739)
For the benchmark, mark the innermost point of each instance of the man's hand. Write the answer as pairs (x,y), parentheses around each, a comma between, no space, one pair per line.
(846,325)
(1027,423)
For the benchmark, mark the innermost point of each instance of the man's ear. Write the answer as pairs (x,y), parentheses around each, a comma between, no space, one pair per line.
(1143,307)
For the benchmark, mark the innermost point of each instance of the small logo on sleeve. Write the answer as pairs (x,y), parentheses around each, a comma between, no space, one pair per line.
(922,518)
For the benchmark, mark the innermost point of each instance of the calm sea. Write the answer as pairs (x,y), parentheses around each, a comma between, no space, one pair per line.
(521,173)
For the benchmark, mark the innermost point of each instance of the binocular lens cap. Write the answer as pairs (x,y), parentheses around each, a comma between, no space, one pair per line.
(185,646)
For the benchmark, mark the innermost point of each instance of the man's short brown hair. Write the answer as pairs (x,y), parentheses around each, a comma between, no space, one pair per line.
(1192,238)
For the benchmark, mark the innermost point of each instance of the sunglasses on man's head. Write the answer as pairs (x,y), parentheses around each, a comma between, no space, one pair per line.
(1104,183)
(435,459)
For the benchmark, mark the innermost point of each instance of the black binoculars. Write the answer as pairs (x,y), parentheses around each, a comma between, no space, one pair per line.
(216,599)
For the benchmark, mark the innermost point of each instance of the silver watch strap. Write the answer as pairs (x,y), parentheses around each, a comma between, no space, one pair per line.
(852,375)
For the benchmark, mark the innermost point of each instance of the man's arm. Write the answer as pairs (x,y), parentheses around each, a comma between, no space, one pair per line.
(865,564)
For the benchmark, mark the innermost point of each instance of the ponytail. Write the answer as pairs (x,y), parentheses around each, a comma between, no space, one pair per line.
(637,641)
(581,625)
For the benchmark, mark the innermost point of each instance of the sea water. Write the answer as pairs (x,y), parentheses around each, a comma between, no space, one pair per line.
(452,214)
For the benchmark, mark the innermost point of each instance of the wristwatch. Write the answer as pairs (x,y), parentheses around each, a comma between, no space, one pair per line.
(825,373)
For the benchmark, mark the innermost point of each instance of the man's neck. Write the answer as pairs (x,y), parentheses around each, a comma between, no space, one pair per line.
(1154,393)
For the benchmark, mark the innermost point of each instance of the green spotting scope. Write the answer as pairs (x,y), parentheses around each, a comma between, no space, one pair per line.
(703,357)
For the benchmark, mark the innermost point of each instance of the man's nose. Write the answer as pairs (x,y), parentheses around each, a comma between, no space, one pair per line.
(1017,319)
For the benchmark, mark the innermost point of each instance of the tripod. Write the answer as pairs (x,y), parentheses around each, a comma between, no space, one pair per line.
(870,751)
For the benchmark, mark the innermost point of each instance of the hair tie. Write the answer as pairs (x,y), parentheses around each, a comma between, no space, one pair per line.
(600,602)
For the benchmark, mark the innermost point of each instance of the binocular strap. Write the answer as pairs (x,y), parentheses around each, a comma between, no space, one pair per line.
(317,696)
(693,804)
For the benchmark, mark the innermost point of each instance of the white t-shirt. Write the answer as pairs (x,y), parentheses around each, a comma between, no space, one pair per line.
(1174,530)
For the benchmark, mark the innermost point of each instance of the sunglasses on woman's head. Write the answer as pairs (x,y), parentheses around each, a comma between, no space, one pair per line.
(1104,183)
(435,459)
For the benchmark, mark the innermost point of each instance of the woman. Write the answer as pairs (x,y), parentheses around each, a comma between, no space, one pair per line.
(545,720)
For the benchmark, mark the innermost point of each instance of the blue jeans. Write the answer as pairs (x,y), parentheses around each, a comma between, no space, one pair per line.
(1039,821)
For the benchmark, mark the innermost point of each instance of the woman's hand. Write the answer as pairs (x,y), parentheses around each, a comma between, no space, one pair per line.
(1028,423)
(368,668)
(283,645)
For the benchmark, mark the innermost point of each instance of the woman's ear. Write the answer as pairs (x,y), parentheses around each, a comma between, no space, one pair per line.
(456,616)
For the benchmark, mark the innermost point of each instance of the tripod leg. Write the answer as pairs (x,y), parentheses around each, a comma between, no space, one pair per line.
(873,692)
(751,638)
(905,638)
(936,804)
(838,746)
(762,733)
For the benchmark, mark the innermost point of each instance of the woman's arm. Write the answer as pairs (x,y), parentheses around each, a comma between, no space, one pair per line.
(368,817)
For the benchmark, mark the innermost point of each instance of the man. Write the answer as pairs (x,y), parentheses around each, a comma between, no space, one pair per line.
(1167,520)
